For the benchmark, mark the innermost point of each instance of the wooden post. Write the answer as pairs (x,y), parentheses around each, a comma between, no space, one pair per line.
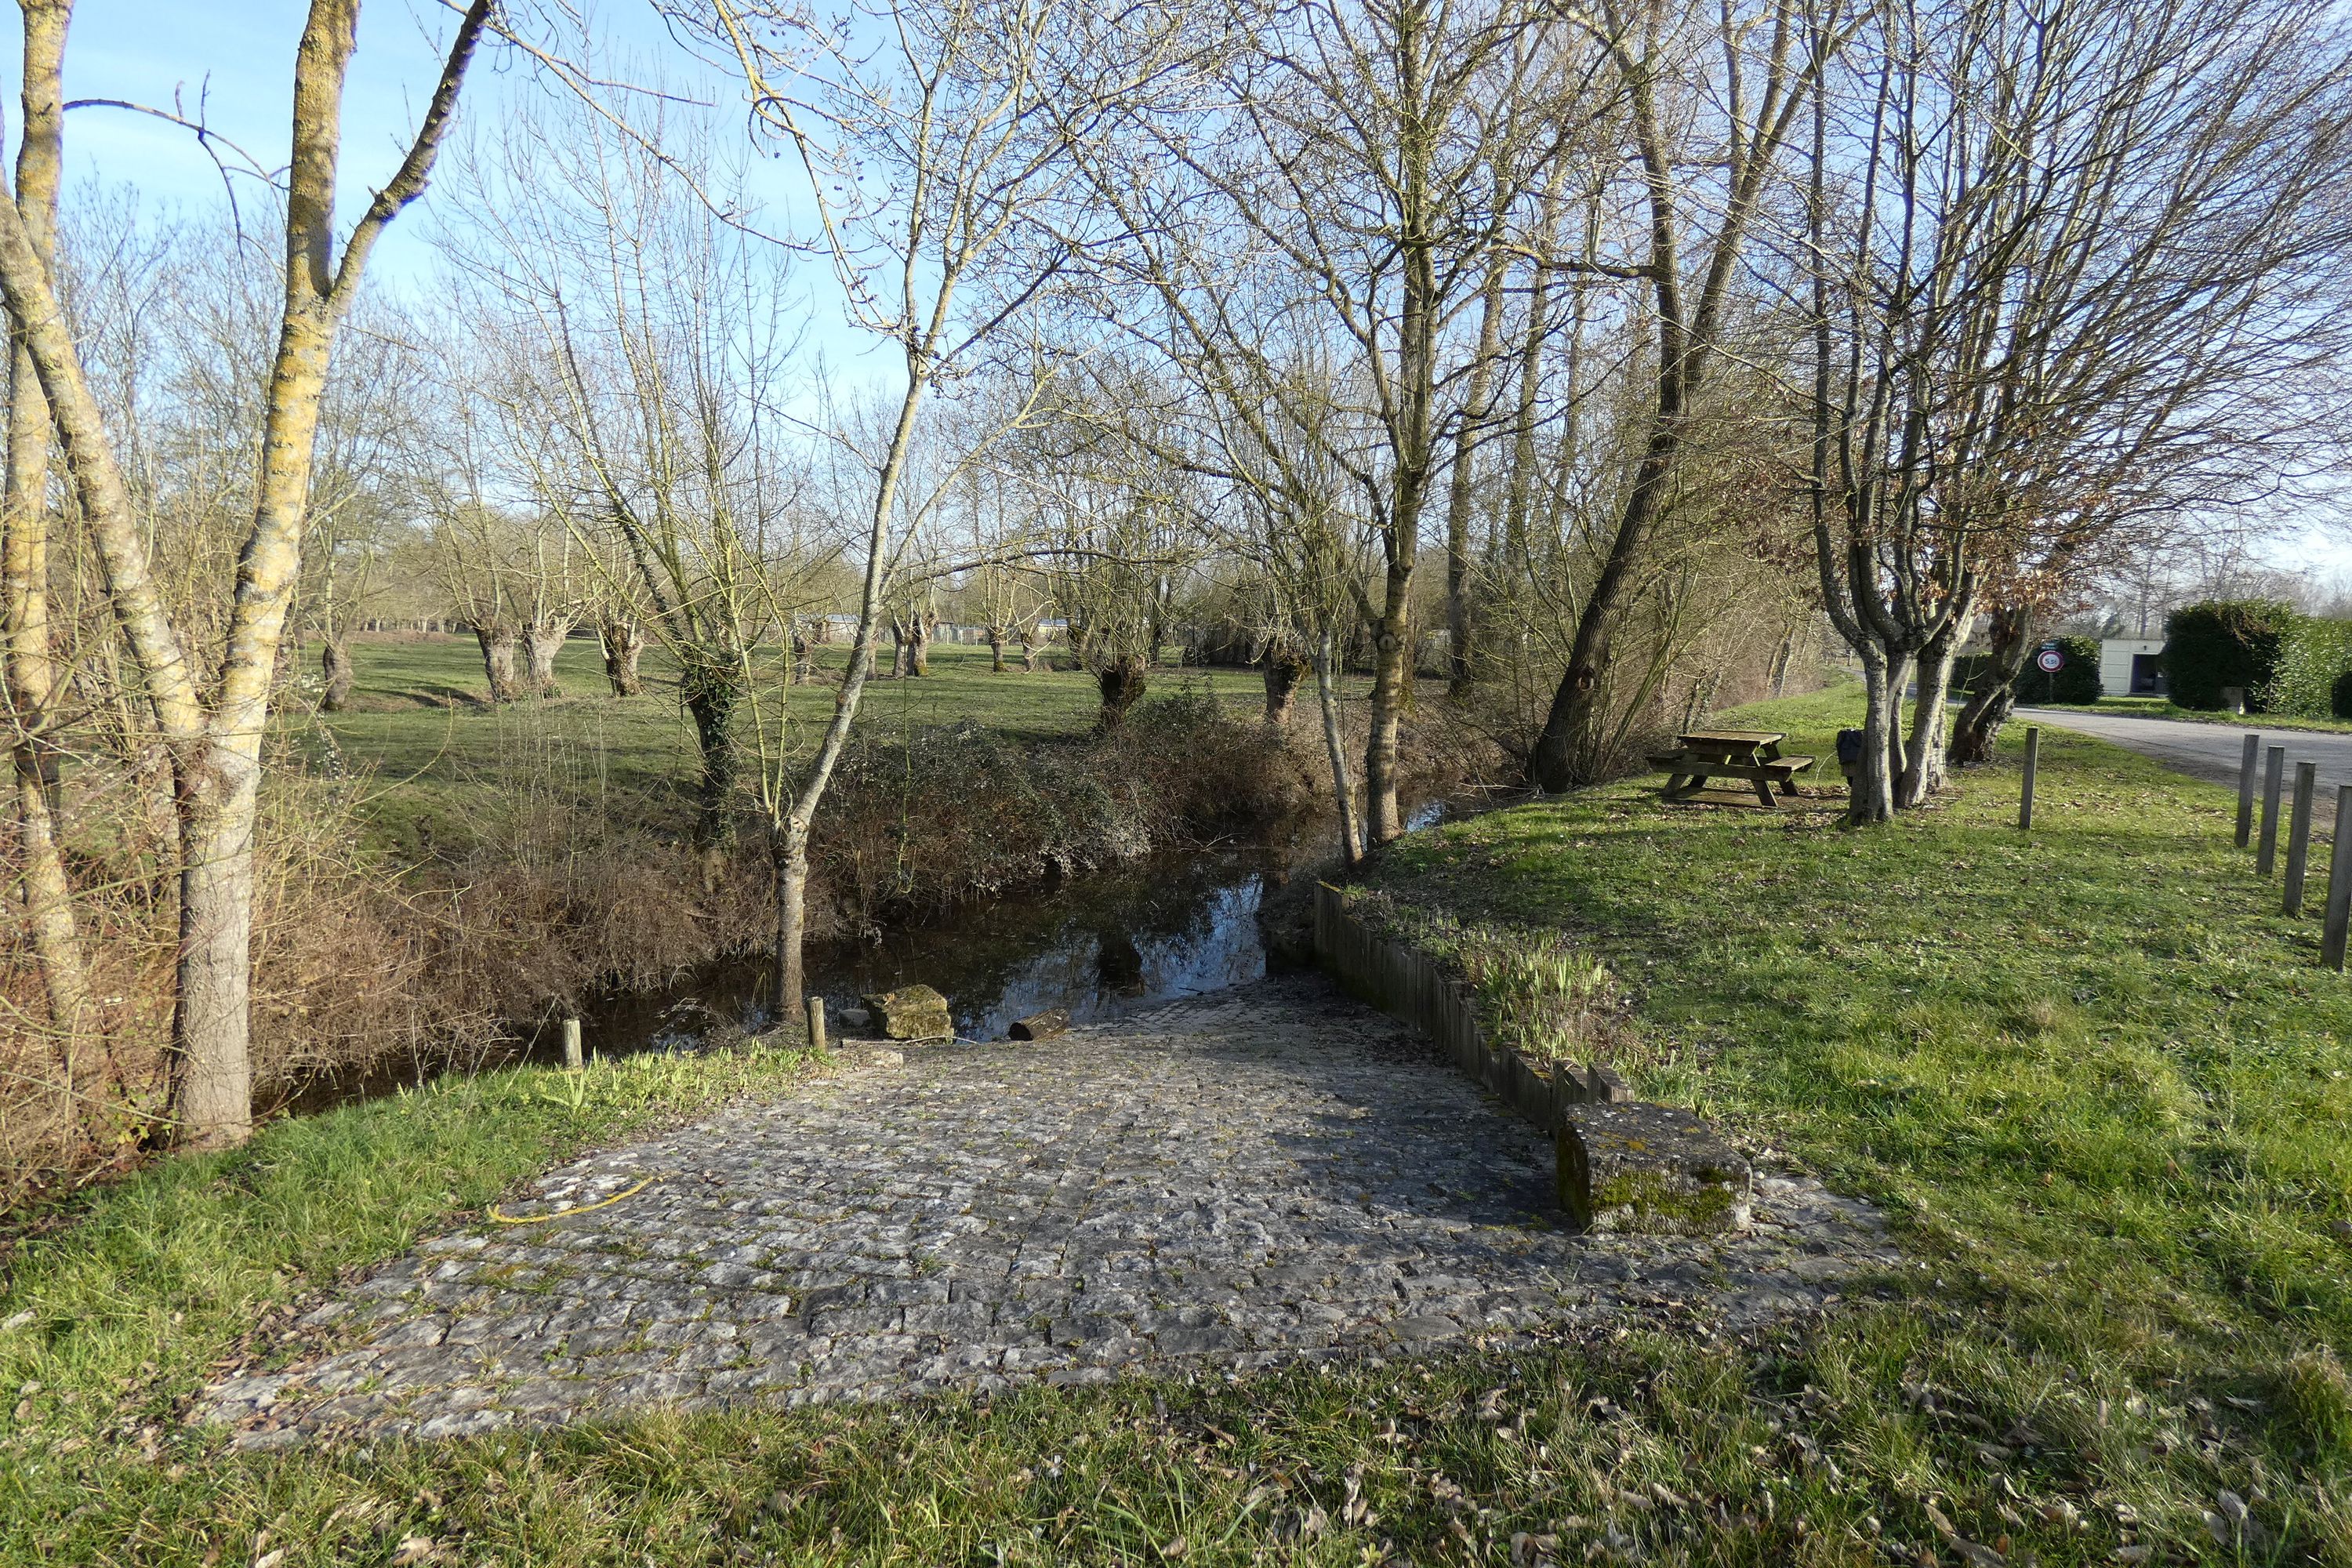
(817,1022)
(2266,846)
(2032,763)
(2339,883)
(2246,790)
(2298,836)
(572,1061)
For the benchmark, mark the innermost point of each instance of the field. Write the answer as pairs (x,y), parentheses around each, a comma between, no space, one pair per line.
(2099,1086)
(437,759)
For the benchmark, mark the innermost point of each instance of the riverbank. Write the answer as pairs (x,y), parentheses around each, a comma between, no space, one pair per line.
(440,877)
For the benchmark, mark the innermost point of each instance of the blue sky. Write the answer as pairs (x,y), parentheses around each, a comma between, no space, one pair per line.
(231,62)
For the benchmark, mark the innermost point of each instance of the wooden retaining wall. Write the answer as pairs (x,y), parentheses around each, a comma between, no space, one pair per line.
(1407,984)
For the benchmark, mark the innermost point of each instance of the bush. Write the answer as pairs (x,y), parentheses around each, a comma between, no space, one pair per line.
(2221,643)
(2076,681)
(2313,658)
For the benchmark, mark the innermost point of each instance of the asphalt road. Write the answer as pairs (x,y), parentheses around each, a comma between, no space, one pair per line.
(2211,751)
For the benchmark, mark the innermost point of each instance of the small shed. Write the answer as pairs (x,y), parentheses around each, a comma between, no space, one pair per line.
(2127,667)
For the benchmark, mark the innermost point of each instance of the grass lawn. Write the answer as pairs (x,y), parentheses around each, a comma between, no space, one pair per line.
(2165,708)
(2100,1088)
(438,759)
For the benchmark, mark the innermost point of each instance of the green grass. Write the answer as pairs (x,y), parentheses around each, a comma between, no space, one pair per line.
(2099,1077)
(2165,708)
(439,760)
(2098,1085)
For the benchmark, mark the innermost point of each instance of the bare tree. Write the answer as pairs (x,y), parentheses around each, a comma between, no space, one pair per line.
(1378,161)
(935,142)
(213,733)
(1710,97)
(32,682)
(2063,280)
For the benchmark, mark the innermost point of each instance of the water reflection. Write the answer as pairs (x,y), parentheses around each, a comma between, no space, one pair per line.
(1100,947)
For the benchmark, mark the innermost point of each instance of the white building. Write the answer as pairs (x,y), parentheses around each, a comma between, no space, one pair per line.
(2127,667)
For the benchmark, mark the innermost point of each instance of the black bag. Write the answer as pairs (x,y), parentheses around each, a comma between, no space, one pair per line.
(1850,746)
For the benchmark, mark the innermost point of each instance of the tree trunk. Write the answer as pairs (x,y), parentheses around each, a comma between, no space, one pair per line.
(1922,760)
(1475,413)
(1343,789)
(1391,684)
(711,694)
(1873,780)
(790,854)
(1568,750)
(996,650)
(212,1075)
(900,662)
(498,661)
(27,657)
(1033,656)
(335,662)
(919,642)
(1284,670)
(624,641)
(1122,683)
(1783,659)
(1978,729)
(543,640)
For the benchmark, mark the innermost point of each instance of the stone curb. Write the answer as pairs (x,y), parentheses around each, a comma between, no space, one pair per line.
(1623,1165)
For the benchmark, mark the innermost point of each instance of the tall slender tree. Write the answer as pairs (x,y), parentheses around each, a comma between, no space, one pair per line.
(213,729)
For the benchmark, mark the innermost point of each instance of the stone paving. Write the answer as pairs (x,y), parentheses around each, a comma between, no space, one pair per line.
(1260,1176)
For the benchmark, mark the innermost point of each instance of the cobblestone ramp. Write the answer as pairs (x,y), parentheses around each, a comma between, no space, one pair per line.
(1268,1174)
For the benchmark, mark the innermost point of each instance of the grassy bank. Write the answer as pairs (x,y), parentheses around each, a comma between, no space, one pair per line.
(2099,1078)
(2165,708)
(442,766)
(2098,1085)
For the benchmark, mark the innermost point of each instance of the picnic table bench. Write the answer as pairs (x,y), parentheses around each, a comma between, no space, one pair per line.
(1751,755)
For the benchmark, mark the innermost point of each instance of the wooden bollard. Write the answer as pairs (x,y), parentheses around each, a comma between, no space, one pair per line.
(2032,763)
(2339,883)
(817,1022)
(2246,790)
(571,1058)
(2298,836)
(2266,846)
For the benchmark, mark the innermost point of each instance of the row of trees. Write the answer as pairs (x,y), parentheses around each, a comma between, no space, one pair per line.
(1627,340)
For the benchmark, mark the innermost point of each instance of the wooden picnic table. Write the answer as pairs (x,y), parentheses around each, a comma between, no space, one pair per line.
(1751,755)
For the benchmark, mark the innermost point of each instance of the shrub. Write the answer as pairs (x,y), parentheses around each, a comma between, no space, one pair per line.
(2076,681)
(2313,658)
(2223,643)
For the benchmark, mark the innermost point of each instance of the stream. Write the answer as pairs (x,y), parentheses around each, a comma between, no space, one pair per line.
(1099,945)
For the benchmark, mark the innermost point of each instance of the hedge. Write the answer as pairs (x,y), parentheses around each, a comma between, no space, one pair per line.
(2223,643)
(2288,663)
(2312,656)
